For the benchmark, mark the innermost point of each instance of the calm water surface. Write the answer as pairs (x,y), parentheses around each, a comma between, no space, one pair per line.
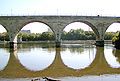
(4,58)
(71,60)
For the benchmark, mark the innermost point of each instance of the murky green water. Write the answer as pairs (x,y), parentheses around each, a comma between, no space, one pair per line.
(71,60)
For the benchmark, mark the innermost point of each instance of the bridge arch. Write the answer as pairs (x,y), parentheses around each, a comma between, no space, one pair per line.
(28,22)
(111,29)
(111,25)
(4,31)
(3,27)
(42,27)
(86,23)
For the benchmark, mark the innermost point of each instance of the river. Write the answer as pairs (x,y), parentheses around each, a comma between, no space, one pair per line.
(71,62)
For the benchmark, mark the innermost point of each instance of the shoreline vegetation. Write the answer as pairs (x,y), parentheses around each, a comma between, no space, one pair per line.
(62,42)
(116,40)
(78,34)
(5,44)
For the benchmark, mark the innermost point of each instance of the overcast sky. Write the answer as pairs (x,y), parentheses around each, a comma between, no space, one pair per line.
(60,7)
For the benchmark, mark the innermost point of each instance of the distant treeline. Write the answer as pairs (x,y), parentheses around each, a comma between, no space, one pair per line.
(78,34)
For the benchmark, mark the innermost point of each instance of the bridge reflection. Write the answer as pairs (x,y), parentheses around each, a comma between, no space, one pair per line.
(98,66)
(116,53)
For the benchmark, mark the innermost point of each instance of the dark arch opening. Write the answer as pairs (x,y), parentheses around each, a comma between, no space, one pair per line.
(79,31)
(36,31)
(4,37)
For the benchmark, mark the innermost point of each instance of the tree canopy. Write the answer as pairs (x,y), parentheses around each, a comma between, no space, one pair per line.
(78,34)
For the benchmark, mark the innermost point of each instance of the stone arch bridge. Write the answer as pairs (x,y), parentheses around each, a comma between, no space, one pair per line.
(99,24)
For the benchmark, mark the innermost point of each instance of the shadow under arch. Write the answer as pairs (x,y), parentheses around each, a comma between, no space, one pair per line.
(87,23)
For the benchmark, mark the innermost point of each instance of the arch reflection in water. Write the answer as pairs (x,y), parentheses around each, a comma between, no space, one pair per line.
(36,58)
(4,58)
(112,56)
(79,57)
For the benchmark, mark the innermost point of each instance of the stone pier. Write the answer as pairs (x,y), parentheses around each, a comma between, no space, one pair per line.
(13,45)
(100,43)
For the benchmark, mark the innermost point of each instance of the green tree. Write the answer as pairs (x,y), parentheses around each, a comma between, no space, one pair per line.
(116,40)
(4,36)
(78,34)
(109,35)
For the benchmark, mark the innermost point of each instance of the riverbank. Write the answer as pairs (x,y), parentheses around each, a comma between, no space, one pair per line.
(63,42)
(83,78)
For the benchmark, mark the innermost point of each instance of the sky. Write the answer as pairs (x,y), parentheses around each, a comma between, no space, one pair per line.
(60,7)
